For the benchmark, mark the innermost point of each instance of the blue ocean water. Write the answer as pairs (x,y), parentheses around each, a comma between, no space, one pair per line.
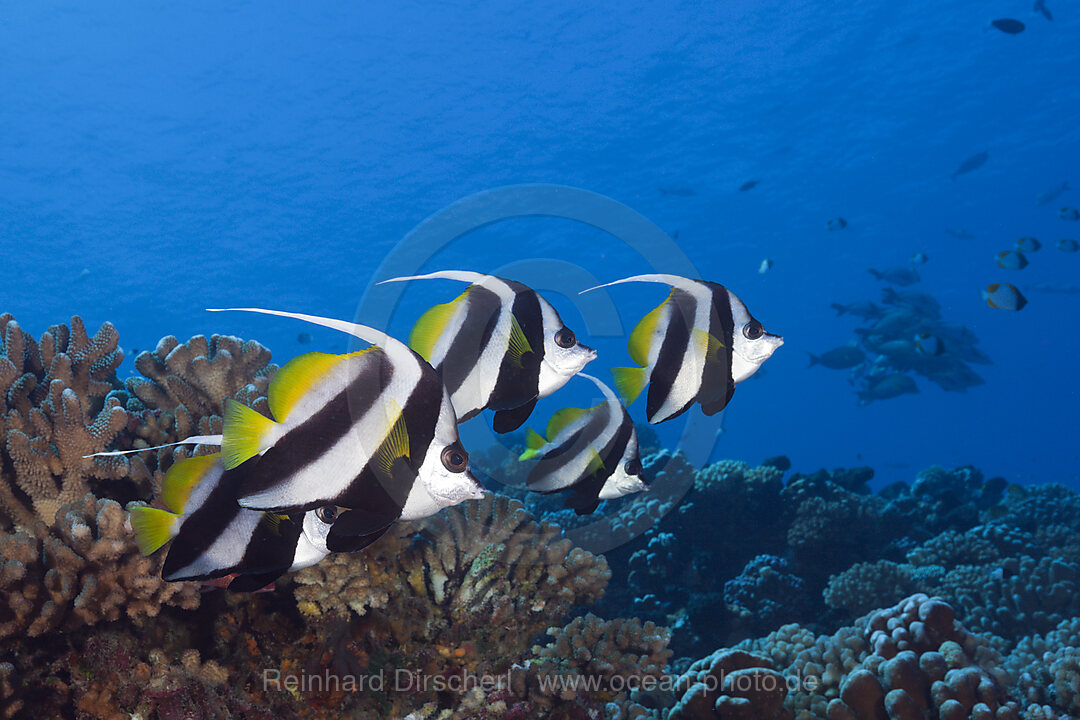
(156,160)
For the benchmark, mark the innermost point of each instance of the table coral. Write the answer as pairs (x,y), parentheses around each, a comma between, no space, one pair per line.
(56,412)
(83,569)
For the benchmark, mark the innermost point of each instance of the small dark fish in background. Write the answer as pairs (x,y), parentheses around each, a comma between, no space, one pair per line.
(1028,244)
(1011,260)
(677,191)
(1068,245)
(748,185)
(1040,7)
(919,259)
(1009,26)
(974,162)
(864,309)
(841,358)
(837,223)
(1004,296)
(959,233)
(1068,213)
(304,338)
(1052,194)
(902,276)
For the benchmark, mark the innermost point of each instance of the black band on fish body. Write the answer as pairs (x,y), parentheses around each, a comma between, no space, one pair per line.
(717,384)
(519,382)
(672,355)
(360,521)
(510,420)
(472,338)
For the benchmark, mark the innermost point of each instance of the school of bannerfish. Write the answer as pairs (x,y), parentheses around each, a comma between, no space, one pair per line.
(360,441)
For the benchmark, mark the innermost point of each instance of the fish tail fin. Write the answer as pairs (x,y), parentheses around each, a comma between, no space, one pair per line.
(153,527)
(533,442)
(629,381)
(814,359)
(244,433)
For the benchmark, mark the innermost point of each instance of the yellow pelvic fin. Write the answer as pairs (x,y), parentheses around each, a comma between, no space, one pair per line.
(153,527)
(519,344)
(709,345)
(533,442)
(182,477)
(273,521)
(243,434)
(296,379)
(629,382)
(641,337)
(595,462)
(432,324)
(562,419)
(395,445)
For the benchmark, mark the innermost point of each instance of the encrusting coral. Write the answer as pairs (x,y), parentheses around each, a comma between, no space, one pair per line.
(56,411)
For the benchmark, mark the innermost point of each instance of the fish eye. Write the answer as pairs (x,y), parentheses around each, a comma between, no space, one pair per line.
(565,338)
(327,513)
(455,459)
(633,467)
(753,330)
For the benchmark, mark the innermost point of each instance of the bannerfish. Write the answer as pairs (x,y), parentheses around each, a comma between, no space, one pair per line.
(902,276)
(1040,7)
(1009,26)
(1004,296)
(748,185)
(1068,213)
(841,358)
(372,432)
(1052,194)
(974,162)
(592,452)
(1067,245)
(214,537)
(1011,260)
(765,266)
(1028,244)
(864,309)
(498,345)
(696,346)
(919,259)
(837,223)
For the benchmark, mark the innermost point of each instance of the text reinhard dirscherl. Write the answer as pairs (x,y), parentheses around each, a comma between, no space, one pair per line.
(402,680)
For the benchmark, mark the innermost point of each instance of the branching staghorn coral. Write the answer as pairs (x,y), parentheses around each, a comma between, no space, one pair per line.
(83,569)
(55,412)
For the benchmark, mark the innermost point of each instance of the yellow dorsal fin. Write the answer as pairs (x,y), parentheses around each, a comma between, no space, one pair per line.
(297,378)
(396,443)
(709,345)
(182,477)
(533,442)
(153,527)
(519,344)
(561,419)
(243,433)
(641,337)
(629,382)
(432,324)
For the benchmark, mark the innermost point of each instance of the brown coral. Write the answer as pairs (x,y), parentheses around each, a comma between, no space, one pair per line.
(83,569)
(56,411)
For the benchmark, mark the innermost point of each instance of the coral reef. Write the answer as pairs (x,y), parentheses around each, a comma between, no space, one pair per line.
(83,570)
(55,412)
(731,685)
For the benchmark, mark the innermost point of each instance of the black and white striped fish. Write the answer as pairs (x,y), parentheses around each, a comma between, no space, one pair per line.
(498,345)
(214,537)
(372,432)
(696,346)
(592,452)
